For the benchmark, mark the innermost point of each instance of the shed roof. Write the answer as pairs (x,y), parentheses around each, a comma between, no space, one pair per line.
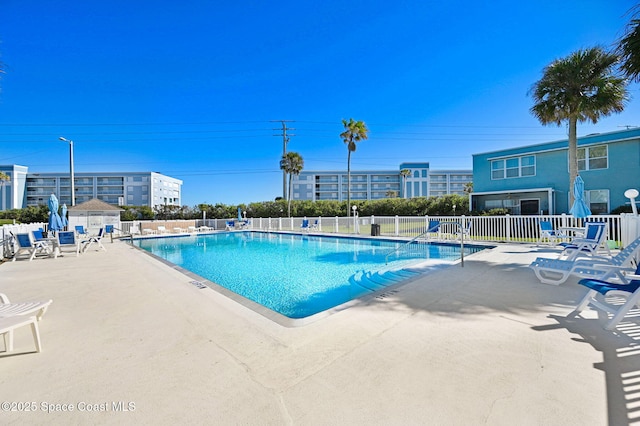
(95,205)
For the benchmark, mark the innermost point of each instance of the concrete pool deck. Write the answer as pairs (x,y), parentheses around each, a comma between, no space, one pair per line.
(130,339)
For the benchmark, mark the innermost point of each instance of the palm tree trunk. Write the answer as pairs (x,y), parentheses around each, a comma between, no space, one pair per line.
(404,178)
(573,156)
(348,182)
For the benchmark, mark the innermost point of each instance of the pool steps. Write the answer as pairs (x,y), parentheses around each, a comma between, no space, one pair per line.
(379,280)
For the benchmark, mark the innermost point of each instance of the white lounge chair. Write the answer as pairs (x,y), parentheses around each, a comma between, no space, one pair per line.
(9,324)
(595,235)
(162,229)
(81,231)
(557,271)
(97,239)
(8,309)
(25,244)
(67,240)
(434,229)
(191,229)
(548,234)
(466,232)
(630,291)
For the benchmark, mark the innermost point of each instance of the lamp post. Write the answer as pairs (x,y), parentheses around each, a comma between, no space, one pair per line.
(73,192)
(355,219)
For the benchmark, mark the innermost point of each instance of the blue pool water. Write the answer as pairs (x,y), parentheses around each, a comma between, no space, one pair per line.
(297,275)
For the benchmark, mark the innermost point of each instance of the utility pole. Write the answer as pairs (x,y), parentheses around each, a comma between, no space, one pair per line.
(285,141)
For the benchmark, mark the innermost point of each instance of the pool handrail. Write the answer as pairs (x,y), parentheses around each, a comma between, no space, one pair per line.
(430,230)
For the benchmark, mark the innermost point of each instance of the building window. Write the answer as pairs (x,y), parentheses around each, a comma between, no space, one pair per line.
(513,167)
(592,158)
(598,201)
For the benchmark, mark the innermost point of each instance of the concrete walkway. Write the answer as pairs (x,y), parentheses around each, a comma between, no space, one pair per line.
(130,340)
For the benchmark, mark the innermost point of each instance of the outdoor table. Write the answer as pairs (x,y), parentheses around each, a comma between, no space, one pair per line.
(573,231)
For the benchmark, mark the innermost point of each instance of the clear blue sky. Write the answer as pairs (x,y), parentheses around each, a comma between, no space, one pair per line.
(189,88)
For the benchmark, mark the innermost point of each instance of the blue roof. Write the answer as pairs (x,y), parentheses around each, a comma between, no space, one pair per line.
(563,144)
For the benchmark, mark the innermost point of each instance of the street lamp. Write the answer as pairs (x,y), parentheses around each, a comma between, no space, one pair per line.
(355,219)
(73,192)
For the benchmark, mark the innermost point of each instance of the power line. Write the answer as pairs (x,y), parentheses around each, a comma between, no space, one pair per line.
(285,141)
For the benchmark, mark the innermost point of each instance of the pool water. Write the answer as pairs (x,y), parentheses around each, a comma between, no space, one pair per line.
(297,275)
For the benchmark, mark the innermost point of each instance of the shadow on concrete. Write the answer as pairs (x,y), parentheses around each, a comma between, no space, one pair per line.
(620,361)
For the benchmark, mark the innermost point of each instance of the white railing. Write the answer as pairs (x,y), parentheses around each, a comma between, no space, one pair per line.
(622,229)
(6,232)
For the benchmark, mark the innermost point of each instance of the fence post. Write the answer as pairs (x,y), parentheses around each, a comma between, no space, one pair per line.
(336,225)
(397,225)
(508,230)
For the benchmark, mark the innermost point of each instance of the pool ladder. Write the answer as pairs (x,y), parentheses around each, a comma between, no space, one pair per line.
(431,230)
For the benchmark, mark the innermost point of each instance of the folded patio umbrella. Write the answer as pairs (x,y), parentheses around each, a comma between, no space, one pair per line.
(579,208)
(63,216)
(55,222)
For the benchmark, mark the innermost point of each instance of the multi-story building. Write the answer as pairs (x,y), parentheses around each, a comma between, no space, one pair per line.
(535,179)
(419,181)
(129,188)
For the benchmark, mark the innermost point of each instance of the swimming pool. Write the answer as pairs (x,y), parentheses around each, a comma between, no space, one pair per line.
(298,275)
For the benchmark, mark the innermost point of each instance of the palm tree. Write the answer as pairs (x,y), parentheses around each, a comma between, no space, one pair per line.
(405,173)
(292,164)
(354,131)
(578,88)
(629,49)
(3,179)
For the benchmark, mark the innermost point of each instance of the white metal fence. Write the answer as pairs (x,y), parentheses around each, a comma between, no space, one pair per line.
(525,229)
(622,229)
(6,231)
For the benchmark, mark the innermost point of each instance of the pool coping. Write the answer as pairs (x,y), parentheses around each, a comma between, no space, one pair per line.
(284,320)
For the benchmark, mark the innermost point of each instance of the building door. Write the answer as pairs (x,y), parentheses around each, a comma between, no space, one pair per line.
(530,206)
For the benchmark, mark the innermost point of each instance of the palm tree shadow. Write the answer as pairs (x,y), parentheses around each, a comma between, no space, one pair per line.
(621,361)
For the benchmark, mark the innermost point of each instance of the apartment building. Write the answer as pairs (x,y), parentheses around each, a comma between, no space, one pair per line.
(124,189)
(535,179)
(419,181)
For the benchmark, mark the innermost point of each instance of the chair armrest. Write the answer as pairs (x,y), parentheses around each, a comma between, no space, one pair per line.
(4,298)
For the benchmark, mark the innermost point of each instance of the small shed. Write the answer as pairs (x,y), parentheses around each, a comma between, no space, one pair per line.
(93,215)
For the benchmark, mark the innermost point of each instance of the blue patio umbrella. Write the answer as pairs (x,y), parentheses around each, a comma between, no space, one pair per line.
(579,208)
(239,214)
(63,216)
(55,222)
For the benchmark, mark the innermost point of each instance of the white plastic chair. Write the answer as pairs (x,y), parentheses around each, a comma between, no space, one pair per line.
(630,291)
(557,271)
(9,324)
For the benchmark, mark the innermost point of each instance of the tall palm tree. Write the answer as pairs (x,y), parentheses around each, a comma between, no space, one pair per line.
(292,164)
(629,47)
(583,86)
(3,179)
(354,132)
(405,173)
